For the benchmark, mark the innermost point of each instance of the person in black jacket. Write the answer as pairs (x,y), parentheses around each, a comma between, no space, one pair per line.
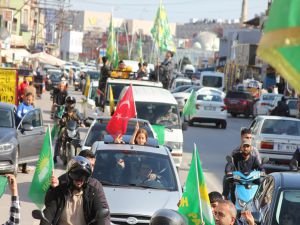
(75,202)
(282,109)
(88,154)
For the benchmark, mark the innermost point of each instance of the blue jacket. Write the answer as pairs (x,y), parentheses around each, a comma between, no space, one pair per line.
(23,109)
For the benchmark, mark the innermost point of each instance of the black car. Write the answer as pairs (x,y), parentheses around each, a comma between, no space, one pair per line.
(277,200)
(53,78)
(19,143)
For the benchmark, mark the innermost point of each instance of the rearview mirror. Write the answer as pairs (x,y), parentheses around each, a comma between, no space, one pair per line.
(27,127)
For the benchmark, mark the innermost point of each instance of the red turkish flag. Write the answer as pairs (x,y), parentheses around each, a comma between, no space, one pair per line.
(124,111)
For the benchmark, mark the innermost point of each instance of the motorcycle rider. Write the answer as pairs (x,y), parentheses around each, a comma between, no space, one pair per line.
(75,202)
(71,113)
(59,97)
(244,162)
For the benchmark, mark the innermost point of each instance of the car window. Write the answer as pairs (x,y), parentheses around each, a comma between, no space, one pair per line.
(254,126)
(210,98)
(287,208)
(133,168)
(33,118)
(6,119)
(268,97)
(261,196)
(98,131)
(293,104)
(281,127)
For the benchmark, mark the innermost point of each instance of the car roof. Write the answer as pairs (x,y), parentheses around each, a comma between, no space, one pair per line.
(109,117)
(134,82)
(101,145)
(287,179)
(141,94)
(4,105)
(277,118)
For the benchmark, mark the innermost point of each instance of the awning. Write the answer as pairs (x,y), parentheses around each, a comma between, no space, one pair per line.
(15,54)
(16,41)
(45,58)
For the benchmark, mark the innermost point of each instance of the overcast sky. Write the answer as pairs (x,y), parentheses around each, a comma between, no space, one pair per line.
(177,10)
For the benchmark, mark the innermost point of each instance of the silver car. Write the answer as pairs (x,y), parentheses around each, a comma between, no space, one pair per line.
(137,180)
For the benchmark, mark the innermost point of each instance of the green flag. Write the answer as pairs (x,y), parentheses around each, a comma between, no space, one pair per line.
(54,131)
(3,184)
(42,174)
(280,43)
(189,108)
(160,132)
(111,50)
(161,32)
(194,203)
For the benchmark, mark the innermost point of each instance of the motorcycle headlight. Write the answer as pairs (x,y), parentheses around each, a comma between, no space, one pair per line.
(6,147)
(71,133)
(174,145)
(242,203)
(236,177)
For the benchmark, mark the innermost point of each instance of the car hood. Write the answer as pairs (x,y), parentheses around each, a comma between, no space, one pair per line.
(7,135)
(135,201)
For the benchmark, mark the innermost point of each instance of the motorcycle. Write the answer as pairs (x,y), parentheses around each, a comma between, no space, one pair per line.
(246,186)
(39,215)
(71,138)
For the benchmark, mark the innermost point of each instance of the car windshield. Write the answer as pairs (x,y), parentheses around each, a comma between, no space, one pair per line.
(195,88)
(98,131)
(94,75)
(181,88)
(6,119)
(212,81)
(210,98)
(159,113)
(268,97)
(281,127)
(55,76)
(287,208)
(134,168)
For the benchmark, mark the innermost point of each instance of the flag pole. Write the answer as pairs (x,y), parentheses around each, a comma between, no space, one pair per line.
(50,138)
(197,176)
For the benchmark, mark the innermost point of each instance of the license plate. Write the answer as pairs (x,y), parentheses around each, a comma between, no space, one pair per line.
(210,108)
(287,147)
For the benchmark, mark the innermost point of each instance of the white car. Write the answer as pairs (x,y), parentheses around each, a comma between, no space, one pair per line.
(210,108)
(179,81)
(293,106)
(137,180)
(182,97)
(276,137)
(265,103)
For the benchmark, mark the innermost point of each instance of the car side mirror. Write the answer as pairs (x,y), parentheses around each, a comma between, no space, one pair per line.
(257,217)
(184,126)
(27,127)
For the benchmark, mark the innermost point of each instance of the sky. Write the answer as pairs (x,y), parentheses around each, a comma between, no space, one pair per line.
(180,11)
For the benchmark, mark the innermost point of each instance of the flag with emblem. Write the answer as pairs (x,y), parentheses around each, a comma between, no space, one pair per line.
(280,43)
(125,110)
(161,32)
(42,175)
(112,50)
(194,203)
(189,108)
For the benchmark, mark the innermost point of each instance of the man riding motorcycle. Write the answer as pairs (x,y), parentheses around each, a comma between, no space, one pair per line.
(59,97)
(244,162)
(71,113)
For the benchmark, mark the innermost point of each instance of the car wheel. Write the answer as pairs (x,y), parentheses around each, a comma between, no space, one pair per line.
(218,125)
(233,114)
(223,125)
(16,166)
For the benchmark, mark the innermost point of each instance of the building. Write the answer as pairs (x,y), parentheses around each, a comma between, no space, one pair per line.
(71,45)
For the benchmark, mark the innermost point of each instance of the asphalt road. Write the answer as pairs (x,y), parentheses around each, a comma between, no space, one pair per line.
(213,145)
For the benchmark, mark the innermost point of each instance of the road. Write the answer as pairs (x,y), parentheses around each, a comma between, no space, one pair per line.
(213,145)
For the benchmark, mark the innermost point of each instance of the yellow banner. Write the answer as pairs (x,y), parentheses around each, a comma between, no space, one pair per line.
(8,86)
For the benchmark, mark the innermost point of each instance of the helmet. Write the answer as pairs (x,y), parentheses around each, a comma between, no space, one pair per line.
(167,217)
(70,101)
(79,167)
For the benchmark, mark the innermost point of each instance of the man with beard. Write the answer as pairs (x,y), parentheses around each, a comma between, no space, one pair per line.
(244,162)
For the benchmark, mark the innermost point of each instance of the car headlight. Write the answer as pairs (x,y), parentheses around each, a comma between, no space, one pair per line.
(71,133)
(6,147)
(174,145)
(242,203)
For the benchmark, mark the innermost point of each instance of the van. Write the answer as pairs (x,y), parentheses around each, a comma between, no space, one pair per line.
(159,107)
(117,86)
(212,79)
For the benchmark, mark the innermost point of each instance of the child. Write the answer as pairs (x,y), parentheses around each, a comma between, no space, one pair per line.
(140,136)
